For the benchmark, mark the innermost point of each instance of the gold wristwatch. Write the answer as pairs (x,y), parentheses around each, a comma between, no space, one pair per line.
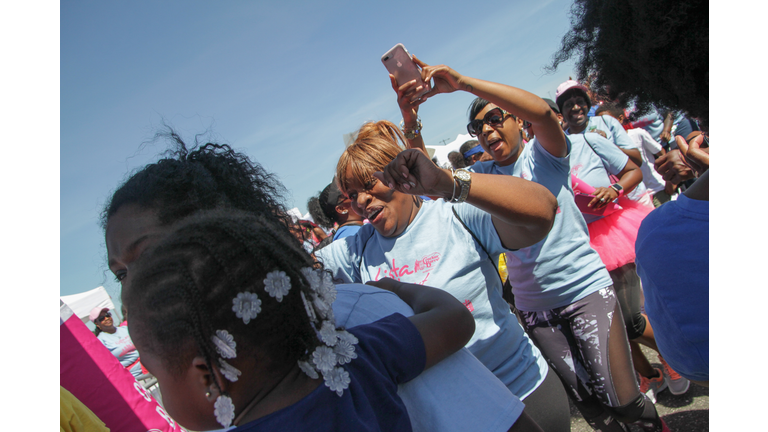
(465,179)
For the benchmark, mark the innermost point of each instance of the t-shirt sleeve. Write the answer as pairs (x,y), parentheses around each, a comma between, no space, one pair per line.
(620,136)
(481,224)
(649,143)
(614,159)
(393,344)
(342,258)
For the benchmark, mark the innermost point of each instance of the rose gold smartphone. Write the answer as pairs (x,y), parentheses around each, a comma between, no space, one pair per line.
(399,63)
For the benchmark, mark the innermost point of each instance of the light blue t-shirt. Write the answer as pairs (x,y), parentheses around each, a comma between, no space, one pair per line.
(615,133)
(457,394)
(121,346)
(652,123)
(346,231)
(436,250)
(563,267)
(590,165)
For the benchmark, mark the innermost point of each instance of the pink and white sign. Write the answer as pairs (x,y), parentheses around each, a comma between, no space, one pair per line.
(94,376)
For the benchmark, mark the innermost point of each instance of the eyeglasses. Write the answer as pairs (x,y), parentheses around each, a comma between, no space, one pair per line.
(493,118)
(100,319)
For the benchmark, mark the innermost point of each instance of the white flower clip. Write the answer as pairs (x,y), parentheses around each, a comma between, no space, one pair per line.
(328,333)
(312,278)
(230,372)
(344,351)
(225,344)
(327,289)
(277,284)
(224,410)
(324,358)
(337,380)
(246,306)
(308,369)
(346,336)
(308,306)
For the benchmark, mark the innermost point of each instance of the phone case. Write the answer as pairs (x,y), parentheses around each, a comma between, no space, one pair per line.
(400,64)
(582,200)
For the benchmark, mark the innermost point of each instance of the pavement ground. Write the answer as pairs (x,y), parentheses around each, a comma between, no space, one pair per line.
(688,412)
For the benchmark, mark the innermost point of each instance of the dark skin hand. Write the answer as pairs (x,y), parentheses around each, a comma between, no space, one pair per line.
(685,163)
(629,178)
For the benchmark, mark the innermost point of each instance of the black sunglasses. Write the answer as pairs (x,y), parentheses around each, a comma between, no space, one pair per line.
(100,319)
(494,118)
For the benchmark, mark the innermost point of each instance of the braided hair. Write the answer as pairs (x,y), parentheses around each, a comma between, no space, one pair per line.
(183,290)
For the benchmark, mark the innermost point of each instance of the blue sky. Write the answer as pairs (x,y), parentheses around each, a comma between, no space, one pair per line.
(280,81)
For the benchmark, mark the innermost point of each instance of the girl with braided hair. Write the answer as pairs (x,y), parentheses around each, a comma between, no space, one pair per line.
(213,176)
(229,310)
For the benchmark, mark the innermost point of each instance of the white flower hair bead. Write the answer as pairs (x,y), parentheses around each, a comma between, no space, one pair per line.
(324,358)
(224,410)
(312,278)
(308,369)
(328,333)
(337,380)
(230,372)
(225,344)
(246,306)
(327,289)
(277,284)
(346,336)
(344,351)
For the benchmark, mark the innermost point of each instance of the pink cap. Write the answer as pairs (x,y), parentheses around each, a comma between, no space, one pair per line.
(95,312)
(568,85)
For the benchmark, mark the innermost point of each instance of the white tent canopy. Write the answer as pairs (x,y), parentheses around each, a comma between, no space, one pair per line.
(82,304)
(441,152)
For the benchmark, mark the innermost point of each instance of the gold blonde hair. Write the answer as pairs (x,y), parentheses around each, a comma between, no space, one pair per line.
(376,145)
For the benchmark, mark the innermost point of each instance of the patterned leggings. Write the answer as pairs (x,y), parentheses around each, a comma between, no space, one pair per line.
(589,351)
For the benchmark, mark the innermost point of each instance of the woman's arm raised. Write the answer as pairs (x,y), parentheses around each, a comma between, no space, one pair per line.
(522,211)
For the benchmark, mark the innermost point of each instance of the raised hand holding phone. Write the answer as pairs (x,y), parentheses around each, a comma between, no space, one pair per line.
(400,65)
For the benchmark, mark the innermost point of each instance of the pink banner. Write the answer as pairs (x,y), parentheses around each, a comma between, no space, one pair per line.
(94,376)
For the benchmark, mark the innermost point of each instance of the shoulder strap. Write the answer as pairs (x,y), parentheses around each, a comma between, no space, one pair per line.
(456,215)
(598,155)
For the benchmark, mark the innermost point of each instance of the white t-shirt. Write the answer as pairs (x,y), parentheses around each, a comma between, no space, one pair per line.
(653,181)
(436,250)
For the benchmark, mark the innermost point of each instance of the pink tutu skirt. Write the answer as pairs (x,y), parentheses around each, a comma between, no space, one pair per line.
(613,237)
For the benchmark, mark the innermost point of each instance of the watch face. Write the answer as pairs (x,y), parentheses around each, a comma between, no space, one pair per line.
(462,175)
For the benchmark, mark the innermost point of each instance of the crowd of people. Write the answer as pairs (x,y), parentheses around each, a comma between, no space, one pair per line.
(389,311)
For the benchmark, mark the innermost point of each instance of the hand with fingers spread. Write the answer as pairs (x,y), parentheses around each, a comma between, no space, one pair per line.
(412,172)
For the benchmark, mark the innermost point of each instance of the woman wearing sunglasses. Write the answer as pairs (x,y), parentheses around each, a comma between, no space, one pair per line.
(116,339)
(454,247)
(561,287)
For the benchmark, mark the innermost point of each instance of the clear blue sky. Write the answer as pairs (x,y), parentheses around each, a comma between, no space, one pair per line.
(280,81)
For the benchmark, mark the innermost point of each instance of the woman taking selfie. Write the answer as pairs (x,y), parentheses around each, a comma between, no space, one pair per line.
(560,285)
(453,247)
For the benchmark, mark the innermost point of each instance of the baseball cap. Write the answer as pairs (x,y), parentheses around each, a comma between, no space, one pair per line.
(566,87)
(95,312)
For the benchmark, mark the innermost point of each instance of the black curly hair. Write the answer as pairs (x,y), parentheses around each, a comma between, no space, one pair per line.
(204,177)
(652,52)
(183,287)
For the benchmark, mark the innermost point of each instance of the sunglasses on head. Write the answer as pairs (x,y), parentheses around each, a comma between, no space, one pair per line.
(493,118)
(100,319)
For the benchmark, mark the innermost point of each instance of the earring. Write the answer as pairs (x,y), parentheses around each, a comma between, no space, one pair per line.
(207,394)
(224,410)
(345,212)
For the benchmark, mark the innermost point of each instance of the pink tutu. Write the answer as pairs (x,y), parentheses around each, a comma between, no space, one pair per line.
(613,237)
